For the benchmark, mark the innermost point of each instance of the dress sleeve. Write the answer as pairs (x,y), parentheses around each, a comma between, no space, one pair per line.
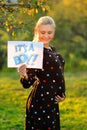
(61,59)
(31,73)
(62,62)
(61,79)
(61,82)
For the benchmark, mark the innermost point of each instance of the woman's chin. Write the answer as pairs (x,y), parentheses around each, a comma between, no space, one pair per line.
(46,43)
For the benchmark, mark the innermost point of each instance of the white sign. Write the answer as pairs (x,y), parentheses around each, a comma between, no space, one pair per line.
(25,52)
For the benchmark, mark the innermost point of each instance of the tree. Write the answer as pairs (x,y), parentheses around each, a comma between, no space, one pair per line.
(71,32)
(13,13)
(16,21)
(71,21)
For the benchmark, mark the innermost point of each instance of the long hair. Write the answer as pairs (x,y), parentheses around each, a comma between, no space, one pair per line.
(43,21)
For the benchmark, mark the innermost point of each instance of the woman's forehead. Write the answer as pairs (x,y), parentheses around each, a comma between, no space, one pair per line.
(46,27)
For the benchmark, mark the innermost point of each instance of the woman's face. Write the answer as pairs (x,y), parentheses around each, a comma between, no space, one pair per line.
(45,34)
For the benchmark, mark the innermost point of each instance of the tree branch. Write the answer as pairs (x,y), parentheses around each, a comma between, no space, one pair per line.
(15,5)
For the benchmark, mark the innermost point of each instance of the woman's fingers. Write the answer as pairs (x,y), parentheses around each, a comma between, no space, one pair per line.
(22,69)
(59,99)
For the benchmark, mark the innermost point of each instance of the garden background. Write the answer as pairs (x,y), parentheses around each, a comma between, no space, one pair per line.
(17,20)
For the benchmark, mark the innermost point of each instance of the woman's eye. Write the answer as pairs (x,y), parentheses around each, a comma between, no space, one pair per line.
(49,32)
(43,32)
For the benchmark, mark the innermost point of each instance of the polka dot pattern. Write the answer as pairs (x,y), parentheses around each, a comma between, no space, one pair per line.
(43,113)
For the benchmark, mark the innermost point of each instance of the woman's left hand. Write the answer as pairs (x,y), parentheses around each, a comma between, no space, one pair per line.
(59,99)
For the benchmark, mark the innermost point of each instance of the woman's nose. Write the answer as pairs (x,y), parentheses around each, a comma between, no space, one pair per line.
(46,35)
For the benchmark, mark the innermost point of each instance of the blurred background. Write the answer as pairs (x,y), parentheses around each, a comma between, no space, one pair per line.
(17,21)
(18,18)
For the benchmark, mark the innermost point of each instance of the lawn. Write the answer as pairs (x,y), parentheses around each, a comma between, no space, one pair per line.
(13,98)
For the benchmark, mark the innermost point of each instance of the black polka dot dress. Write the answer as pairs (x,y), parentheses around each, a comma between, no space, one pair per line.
(41,111)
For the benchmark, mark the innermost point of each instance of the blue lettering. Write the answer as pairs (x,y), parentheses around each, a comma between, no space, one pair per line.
(31,48)
(17,60)
(32,58)
(24,58)
(35,57)
(29,58)
(20,59)
(19,47)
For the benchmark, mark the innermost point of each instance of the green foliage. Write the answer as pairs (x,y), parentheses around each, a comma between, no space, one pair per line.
(73,109)
(13,98)
(2,55)
(17,23)
(71,32)
(15,16)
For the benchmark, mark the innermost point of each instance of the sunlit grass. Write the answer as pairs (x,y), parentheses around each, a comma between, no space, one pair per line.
(73,109)
(13,98)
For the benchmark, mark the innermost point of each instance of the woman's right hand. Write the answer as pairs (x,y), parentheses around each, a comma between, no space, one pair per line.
(22,70)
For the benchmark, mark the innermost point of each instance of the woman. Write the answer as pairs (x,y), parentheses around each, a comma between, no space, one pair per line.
(42,109)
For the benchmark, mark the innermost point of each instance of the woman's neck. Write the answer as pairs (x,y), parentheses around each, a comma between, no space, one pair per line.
(47,46)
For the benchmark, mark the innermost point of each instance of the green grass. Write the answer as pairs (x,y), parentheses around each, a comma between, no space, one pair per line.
(13,98)
(74,108)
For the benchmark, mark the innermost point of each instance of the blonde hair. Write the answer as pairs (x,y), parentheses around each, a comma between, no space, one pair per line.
(43,21)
